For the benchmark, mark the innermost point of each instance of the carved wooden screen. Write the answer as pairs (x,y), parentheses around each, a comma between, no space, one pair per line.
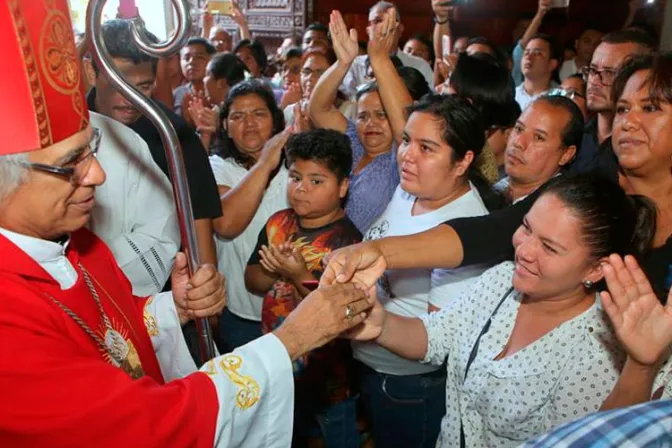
(270,20)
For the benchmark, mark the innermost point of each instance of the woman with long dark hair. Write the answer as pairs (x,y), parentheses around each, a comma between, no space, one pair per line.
(252,182)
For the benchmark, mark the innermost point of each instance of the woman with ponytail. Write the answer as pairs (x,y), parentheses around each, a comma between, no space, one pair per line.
(529,346)
(442,138)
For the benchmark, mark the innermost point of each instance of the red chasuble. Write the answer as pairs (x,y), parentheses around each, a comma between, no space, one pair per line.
(59,388)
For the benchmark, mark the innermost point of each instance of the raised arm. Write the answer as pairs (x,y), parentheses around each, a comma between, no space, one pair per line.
(238,17)
(393,91)
(240,201)
(544,7)
(442,25)
(642,324)
(321,107)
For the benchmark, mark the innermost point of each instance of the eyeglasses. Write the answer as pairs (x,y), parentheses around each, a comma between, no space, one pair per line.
(606,76)
(79,168)
(567,93)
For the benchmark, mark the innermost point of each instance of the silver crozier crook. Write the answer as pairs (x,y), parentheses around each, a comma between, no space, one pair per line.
(171,143)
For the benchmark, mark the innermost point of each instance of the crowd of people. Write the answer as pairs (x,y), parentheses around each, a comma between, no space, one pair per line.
(440,243)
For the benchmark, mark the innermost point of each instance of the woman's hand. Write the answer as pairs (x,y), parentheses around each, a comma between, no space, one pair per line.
(205,118)
(362,263)
(442,10)
(382,36)
(292,95)
(345,43)
(373,325)
(642,323)
(302,121)
(272,151)
(322,316)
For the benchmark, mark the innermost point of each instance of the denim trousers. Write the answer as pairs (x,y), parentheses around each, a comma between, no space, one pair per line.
(335,424)
(405,411)
(234,331)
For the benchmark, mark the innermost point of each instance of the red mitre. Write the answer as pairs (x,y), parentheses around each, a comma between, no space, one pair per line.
(41,90)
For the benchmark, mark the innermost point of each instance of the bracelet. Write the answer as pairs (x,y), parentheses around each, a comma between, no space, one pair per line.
(441,23)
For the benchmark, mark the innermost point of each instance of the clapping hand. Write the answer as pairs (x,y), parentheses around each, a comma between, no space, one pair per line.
(302,121)
(292,95)
(642,323)
(204,118)
(382,36)
(285,261)
(272,151)
(345,43)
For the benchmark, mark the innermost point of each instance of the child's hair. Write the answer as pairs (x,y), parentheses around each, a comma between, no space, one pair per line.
(329,148)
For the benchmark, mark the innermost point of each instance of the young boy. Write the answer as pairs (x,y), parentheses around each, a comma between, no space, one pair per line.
(289,252)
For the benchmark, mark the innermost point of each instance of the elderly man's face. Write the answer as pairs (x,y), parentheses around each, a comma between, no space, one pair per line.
(48,206)
(221,39)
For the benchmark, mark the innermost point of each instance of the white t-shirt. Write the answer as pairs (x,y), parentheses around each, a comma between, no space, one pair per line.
(232,255)
(408,292)
(524,99)
(568,69)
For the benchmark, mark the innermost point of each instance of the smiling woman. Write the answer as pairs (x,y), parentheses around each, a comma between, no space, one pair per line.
(529,335)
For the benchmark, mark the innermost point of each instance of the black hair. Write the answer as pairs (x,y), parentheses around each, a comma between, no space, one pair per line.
(292,53)
(257,50)
(120,44)
(486,82)
(363,45)
(577,76)
(319,27)
(481,40)
(295,37)
(229,67)
(464,131)
(572,133)
(553,49)
(660,78)
(395,61)
(249,87)
(209,48)
(611,220)
(631,36)
(329,148)
(427,43)
(415,82)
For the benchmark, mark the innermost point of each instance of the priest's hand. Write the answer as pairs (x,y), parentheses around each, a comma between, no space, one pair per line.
(202,295)
(322,316)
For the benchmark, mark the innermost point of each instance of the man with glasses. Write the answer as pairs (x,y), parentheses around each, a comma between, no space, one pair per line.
(84,362)
(610,55)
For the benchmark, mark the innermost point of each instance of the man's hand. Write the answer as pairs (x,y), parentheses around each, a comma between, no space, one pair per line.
(345,43)
(442,10)
(202,295)
(322,316)
(544,7)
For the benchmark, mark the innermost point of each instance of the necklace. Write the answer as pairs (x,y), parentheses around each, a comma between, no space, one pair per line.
(113,343)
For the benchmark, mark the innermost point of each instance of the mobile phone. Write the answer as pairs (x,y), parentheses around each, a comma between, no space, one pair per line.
(560,4)
(222,7)
(446,46)
(311,285)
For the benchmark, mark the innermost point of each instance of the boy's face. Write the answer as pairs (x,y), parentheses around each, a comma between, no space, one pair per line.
(313,190)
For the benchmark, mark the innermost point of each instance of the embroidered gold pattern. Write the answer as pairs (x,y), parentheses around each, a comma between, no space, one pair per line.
(150,321)
(248,393)
(32,74)
(118,342)
(59,54)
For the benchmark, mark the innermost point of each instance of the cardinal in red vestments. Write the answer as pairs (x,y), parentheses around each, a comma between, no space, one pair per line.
(82,361)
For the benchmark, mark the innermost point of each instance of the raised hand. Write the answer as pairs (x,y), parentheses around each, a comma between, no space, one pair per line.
(442,10)
(291,96)
(642,323)
(272,151)
(382,36)
(345,43)
(302,121)
(544,6)
(237,14)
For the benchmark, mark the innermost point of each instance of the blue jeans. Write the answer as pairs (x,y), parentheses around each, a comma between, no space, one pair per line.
(234,331)
(335,424)
(406,411)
